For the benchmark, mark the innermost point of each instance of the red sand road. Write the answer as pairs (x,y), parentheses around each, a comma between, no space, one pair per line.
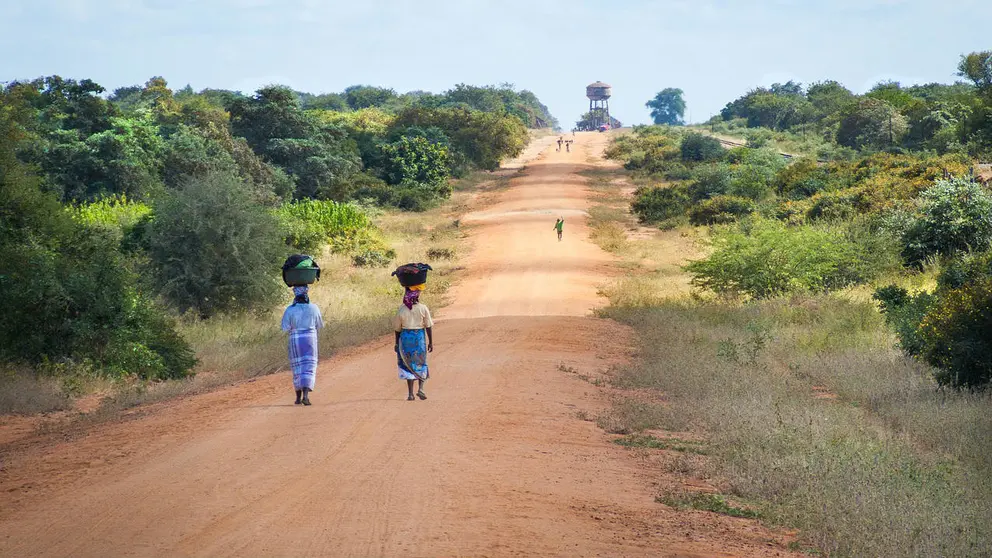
(495,463)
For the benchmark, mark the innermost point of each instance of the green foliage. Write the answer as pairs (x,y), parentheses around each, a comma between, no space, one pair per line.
(365,96)
(373,257)
(764,258)
(484,139)
(955,333)
(710,180)
(949,327)
(124,159)
(720,210)
(904,312)
(315,154)
(871,123)
(953,216)
(667,107)
(214,249)
(801,179)
(659,203)
(67,290)
(699,148)
(114,213)
(311,224)
(753,171)
(977,67)
(417,162)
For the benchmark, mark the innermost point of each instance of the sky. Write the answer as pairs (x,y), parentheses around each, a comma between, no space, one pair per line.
(714,50)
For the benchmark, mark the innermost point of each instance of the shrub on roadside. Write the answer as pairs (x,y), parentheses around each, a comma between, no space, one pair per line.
(953,216)
(763,258)
(373,257)
(957,335)
(214,249)
(949,328)
(720,210)
(709,181)
(699,148)
(658,203)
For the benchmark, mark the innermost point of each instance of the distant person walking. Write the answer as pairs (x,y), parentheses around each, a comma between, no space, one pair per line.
(414,339)
(302,320)
(559,143)
(568,146)
(559,225)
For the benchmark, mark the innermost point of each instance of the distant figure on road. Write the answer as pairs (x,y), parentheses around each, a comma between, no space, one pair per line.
(559,143)
(414,339)
(302,320)
(559,225)
(568,146)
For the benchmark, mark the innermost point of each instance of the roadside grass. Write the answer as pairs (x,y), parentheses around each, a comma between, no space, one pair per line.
(890,467)
(25,392)
(707,502)
(650,442)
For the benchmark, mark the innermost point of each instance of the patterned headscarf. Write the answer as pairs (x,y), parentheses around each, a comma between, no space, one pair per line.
(301,295)
(411,297)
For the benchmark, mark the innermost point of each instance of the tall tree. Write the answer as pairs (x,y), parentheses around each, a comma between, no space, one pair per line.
(315,154)
(667,107)
(977,67)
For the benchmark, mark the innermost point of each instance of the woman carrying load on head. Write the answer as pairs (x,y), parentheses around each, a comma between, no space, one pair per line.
(302,320)
(414,339)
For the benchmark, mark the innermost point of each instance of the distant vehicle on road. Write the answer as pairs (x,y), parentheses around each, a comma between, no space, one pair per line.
(604,127)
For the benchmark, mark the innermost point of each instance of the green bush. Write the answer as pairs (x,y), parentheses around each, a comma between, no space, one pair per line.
(69,293)
(699,148)
(373,257)
(113,213)
(720,210)
(839,204)
(957,335)
(658,203)
(904,312)
(801,179)
(949,328)
(764,258)
(754,171)
(710,180)
(953,216)
(214,249)
(310,224)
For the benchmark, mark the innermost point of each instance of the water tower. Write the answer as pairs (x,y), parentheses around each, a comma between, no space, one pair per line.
(599,103)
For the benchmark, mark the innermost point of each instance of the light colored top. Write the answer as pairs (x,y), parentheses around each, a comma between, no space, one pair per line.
(419,317)
(302,316)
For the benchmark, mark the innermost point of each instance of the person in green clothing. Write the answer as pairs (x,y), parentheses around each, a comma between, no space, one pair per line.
(558,226)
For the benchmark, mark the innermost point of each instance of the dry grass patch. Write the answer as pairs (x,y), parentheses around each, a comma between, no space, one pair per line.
(892,467)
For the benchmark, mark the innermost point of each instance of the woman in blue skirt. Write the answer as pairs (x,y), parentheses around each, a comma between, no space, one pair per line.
(302,320)
(414,339)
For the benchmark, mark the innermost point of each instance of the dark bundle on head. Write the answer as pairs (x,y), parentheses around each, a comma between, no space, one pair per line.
(301,296)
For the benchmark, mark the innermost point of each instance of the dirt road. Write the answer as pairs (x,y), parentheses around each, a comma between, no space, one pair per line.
(496,463)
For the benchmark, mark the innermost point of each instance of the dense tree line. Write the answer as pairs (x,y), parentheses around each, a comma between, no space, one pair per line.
(120,211)
(783,226)
(955,118)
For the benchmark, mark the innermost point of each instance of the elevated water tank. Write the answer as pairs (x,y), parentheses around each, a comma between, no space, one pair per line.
(598,91)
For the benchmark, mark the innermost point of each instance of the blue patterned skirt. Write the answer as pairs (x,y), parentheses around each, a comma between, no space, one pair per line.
(411,358)
(303,357)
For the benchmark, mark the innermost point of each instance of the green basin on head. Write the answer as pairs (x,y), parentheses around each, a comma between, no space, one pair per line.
(300,276)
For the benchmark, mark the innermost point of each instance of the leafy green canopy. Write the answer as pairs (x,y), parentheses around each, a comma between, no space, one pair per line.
(667,107)
(315,154)
(67,292)
(214,249)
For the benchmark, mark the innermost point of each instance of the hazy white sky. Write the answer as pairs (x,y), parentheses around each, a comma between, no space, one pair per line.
(715,50)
